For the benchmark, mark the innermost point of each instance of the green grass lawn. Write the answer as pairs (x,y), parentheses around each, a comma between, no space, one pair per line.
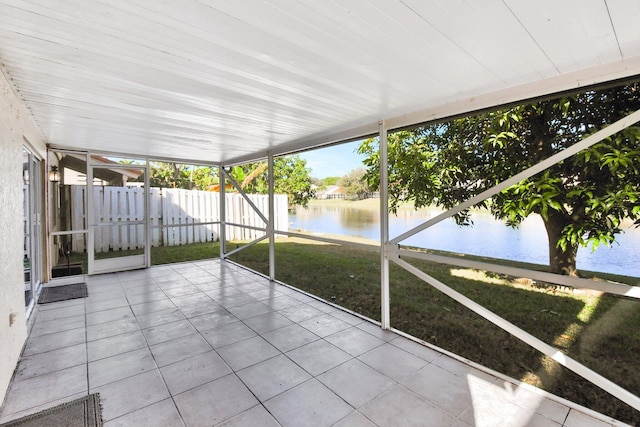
(601,331)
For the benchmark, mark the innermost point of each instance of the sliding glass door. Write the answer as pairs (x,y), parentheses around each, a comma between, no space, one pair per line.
(32,220)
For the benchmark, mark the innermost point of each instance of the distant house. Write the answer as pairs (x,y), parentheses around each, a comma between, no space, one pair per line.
(330,192)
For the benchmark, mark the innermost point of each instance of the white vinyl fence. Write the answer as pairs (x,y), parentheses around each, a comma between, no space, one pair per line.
(177,217)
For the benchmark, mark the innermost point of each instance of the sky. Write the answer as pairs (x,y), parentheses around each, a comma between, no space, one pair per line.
(337,160)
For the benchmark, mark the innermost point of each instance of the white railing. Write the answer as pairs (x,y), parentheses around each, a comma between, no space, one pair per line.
(177,217)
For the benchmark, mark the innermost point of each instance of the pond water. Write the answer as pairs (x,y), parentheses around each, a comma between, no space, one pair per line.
(487,237)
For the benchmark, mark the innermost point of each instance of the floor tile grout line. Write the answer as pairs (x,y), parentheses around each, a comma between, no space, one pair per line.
(22,357)
(86,337)
(566,417)
(27,342)
(428,362)
(56,318)
(395,383)
(86,328)
(157,368)
(231,372)
(252,392)
(385,340)
(281,353)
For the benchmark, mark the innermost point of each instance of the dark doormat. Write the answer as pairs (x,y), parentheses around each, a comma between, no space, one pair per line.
(73,269)
(83,412)
(63,293)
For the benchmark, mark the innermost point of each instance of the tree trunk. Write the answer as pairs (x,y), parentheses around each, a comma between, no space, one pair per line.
(560,261)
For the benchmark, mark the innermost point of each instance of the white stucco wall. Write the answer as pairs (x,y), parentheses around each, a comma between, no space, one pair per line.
(15,124)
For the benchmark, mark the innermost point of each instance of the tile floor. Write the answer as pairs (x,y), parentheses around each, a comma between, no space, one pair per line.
(211,344)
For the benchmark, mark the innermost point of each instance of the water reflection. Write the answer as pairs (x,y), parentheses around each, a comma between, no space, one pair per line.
(487,237)
(359,219)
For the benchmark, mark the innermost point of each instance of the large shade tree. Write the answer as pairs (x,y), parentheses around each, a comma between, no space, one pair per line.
(291,177)
(582,200)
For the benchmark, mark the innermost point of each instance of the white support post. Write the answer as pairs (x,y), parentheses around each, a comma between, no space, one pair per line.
(147,213)
(271,225)
(223,214)
(385,318)
(90,210)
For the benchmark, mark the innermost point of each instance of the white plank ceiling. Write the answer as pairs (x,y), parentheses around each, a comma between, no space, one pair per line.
(227,80)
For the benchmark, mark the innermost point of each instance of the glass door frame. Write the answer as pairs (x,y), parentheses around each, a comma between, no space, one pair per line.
(33,207)
(59,206)
(130,262)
